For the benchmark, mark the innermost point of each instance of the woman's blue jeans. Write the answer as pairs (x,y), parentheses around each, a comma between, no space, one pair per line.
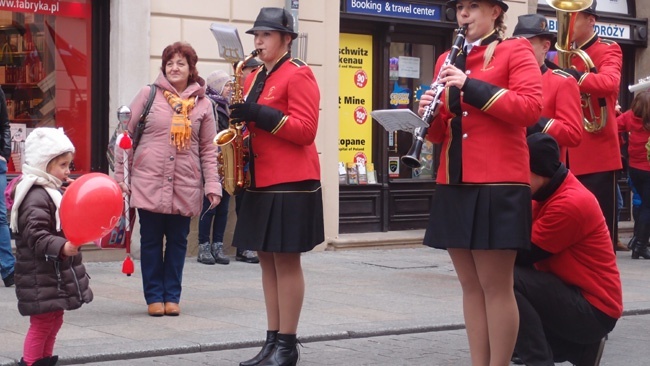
(162,265)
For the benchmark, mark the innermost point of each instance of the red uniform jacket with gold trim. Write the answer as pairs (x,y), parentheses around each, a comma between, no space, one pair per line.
(287,153)
(600,151)
(483,132)
(562,114)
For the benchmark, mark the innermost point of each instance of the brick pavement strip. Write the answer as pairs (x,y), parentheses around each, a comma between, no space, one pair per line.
(352,297)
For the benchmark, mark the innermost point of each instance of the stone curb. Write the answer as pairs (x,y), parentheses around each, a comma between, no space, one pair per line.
(168,350)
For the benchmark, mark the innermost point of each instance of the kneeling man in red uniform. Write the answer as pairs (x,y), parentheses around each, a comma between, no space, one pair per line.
(568,287)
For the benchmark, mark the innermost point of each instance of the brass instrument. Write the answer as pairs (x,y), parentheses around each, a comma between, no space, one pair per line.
(642,84)
(412,157)
(233,154)
(567,11)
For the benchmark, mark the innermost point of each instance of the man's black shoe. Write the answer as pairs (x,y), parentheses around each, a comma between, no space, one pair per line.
(247,256)
(592,353)
(9,280)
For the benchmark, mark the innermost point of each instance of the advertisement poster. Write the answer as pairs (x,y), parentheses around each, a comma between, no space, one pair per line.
(355,98)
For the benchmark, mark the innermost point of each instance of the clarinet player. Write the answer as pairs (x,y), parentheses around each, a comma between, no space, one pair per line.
(481,211)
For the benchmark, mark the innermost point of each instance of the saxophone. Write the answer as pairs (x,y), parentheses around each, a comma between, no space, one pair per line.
(233,150)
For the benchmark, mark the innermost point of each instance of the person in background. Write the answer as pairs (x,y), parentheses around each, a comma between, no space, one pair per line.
(219,90)
(7,259)
(250,66)
(561,115)
(281,214)
(173,167)
(50,275)
(568,286)
(598,173)
(480,210)
(636,121)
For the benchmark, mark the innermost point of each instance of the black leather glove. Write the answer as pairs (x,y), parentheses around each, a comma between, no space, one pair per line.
(537,127)
(575,73)
(265,117)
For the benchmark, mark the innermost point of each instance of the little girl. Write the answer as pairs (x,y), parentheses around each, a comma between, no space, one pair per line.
(49,274)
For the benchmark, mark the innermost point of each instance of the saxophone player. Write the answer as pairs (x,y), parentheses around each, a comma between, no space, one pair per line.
(281,213)
(562,114)
(598,158)
(481,210)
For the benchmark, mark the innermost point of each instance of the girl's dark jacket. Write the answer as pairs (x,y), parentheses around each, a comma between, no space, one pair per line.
(46,280)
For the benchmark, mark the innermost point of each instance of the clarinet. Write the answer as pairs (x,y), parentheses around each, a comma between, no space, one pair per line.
(412,158)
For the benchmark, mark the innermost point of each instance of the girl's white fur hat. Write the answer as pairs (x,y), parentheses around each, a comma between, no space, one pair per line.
(44,144)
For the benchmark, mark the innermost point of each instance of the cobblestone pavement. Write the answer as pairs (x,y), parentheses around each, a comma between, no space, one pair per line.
(444,348)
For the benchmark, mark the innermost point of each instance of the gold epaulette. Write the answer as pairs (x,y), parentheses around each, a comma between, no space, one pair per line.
(298,62)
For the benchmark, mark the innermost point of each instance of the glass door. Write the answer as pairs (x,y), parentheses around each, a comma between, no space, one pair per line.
(411,67)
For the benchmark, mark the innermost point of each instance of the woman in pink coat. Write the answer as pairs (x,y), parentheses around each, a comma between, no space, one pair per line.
(174,156)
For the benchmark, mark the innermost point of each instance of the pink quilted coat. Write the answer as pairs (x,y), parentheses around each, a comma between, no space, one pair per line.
(163,179)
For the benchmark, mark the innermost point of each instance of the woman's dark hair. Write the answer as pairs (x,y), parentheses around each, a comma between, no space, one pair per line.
(184,50)
(641,108)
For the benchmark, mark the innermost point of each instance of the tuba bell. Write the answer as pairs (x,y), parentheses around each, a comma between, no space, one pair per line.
(567,11)
(233,151)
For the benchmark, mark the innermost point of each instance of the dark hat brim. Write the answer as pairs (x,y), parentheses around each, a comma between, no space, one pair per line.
(531,35)
(294,35)
(503,5)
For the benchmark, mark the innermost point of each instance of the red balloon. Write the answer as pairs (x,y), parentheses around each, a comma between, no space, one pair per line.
(90,208)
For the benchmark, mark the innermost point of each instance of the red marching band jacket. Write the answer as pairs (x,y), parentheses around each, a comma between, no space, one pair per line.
(561,115)
(599,151)
(483,131)
(288,152)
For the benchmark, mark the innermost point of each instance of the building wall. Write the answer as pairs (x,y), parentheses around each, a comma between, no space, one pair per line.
(642,54)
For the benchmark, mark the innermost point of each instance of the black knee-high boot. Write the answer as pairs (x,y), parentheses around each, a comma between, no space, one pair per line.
(285,352)
(267,347)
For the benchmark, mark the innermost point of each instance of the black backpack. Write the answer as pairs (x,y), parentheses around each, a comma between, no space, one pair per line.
(110,151)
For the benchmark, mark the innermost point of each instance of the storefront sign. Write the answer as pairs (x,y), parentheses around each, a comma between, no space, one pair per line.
(71,8)
(355,98)
(395,9)
(606,30)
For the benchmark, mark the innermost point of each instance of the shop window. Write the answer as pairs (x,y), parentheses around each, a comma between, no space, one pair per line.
(45,49)
(410,74)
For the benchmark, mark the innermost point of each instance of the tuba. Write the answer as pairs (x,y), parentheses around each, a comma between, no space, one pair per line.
(567,11)
(233,151)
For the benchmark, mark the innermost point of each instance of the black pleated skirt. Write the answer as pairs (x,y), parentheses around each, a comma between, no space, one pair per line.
(480,217)
(284,218)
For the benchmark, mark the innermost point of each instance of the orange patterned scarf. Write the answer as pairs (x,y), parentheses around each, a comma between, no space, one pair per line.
(181,130)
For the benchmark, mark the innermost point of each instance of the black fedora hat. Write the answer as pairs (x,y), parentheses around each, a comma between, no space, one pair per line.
(532,25)
(274,19)
(591,10)
(503,5)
